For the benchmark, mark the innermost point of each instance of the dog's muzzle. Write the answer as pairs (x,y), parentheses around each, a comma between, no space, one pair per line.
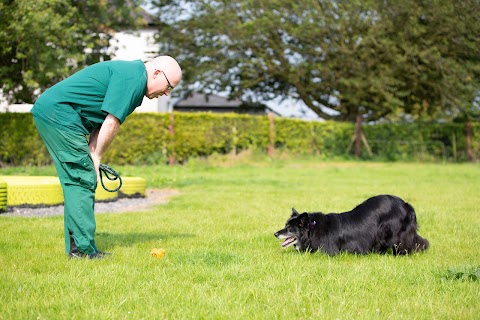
(289,239)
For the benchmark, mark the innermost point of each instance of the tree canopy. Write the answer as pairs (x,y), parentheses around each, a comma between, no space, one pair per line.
(340,57)
(44,41)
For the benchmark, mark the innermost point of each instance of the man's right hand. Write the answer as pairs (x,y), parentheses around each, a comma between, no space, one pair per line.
(96,164)
(101,139)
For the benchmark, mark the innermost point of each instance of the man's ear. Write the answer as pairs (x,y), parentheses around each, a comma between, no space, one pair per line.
(294,212)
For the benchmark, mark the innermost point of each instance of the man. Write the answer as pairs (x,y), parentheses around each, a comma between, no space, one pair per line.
(93,102)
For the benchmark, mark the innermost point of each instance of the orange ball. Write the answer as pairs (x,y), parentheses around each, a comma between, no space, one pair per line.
(158,253)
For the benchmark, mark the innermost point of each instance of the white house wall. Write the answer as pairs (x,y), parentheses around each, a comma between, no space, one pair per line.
(139,45)
(126,46)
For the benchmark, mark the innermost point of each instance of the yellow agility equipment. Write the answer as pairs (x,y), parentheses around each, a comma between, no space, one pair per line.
(103,195)
(3,196)
(133,187)
(46,190)
(39,190)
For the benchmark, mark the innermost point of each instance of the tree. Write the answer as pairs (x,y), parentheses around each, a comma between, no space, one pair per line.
(341,58)
(44,41)
(438,43)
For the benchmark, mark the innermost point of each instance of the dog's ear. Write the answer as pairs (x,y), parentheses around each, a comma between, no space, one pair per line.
(303,218)
(294,212)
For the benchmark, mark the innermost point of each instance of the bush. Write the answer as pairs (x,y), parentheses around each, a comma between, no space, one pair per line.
(20,143)
(145,138)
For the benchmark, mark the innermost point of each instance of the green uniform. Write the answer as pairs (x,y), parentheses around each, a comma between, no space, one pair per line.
(70,110)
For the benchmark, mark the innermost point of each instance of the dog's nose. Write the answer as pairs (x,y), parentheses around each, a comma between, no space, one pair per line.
(275,234)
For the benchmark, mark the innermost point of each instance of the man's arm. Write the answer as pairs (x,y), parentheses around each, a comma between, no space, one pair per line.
(100,140)
(92,143)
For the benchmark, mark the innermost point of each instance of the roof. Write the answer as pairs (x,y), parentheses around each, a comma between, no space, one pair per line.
(212,101)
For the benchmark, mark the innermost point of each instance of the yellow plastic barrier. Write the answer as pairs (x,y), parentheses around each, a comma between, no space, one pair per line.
(3,196)
(33,190)
(102,194)
(133,186)
(46,190)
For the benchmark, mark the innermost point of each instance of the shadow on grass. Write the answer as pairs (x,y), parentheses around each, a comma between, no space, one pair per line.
(109,240)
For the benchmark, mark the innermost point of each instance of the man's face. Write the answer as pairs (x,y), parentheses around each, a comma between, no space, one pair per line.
(158,86)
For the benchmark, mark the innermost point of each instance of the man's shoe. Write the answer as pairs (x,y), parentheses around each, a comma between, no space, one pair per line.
(103,254)
(75,254)
(97,255)
(80,255)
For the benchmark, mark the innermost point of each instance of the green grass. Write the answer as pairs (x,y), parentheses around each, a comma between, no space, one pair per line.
(223,262)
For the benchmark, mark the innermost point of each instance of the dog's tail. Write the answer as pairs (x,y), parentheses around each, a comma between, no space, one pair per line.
(420,243)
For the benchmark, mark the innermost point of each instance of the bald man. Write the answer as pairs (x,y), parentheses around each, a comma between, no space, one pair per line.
(93,102)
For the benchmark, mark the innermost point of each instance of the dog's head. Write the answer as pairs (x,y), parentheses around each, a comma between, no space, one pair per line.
(295,227)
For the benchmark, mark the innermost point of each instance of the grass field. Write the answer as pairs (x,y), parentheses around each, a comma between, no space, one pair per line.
(223,261)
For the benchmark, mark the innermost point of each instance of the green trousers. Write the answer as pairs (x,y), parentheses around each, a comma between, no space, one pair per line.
(71,156)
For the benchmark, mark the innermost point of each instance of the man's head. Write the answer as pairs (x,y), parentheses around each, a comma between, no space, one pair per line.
(163,74)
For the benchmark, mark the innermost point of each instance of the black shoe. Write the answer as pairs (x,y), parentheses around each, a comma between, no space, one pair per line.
(103,254)
(80,255)
(76,254)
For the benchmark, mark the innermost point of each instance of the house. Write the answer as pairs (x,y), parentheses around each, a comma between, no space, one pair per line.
(197,102)
(140,44)
(125,45)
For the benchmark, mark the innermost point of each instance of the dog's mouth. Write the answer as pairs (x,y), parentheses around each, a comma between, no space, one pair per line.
(289,241)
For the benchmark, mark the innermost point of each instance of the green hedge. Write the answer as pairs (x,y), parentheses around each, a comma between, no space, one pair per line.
(145,138)
(20,143)
(422,141)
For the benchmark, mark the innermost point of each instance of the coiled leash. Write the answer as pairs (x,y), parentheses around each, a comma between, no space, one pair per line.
(111,175)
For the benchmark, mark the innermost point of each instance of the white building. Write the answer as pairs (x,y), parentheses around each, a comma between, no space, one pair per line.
(125,45)
(134,45)
(140,44)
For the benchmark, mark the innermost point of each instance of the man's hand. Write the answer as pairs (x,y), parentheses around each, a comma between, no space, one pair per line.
(92,145)
(96,164)
(100,140)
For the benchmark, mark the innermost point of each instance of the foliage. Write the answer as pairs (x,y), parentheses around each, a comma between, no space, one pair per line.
(420,140)
(375,58)
(438,65)
(466,274)
(20,142)
(145,138)
(44,41)
(223,262)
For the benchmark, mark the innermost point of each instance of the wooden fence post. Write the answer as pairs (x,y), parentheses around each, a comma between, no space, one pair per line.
(171,156)
(358,135)
(234,140)
(358,138)
(271,145)
(469,140)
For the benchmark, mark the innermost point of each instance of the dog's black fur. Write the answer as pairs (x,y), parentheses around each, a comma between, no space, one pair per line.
(382,224)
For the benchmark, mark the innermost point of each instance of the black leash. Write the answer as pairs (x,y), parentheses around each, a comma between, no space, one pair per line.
(111,175)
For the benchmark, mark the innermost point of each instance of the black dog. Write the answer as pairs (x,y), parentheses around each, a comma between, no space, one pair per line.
(380,224)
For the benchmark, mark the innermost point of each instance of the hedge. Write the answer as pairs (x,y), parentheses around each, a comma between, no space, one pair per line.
(145,138)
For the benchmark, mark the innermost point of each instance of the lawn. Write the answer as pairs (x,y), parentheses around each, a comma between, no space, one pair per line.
(223,261)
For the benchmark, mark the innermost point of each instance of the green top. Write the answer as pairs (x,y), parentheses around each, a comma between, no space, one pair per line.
(82,101)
